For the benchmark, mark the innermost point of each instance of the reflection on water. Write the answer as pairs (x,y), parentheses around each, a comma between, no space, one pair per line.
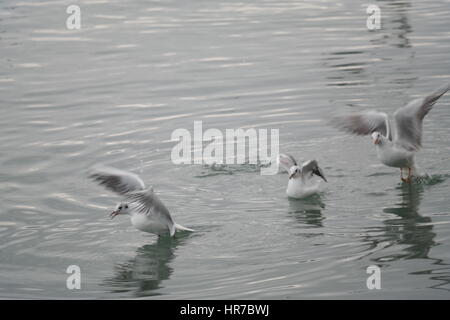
(410,228)
(349,67)
(396,22)
(143,274)
(308,211)
(116,90)
(416,232)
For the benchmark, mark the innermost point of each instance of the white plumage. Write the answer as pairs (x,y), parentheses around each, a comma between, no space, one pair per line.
(398,139)
(301,182)
(146,210)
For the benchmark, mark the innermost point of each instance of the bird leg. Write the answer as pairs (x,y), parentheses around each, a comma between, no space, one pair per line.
(408,179)
(409,175)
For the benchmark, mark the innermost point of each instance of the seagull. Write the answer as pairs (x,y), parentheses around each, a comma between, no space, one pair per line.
(301,183)
(146,210)
(398,139)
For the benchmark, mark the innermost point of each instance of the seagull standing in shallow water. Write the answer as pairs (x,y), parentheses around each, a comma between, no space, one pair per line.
(146,210)
(397,141)
(301,183)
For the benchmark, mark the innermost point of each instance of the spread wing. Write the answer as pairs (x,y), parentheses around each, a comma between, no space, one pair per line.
(308,167)
(363,123)
(408,119)
(286,161)
(119,181)
(148,203)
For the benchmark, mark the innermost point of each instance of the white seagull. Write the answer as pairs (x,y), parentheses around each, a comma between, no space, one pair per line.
(396,140)
(146,210)
(301,183)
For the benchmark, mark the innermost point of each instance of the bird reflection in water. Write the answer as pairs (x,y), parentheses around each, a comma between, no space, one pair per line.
(308,211)
(410,228)
(412,231)
(142,275)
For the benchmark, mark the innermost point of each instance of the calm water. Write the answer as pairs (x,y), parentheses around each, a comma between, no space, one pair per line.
(137,70)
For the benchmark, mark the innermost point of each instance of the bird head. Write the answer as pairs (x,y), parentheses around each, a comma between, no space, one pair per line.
(121,208)
(376,137)
(294,172)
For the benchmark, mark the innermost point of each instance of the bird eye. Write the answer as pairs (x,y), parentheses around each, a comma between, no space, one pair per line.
(126,207)
(120,208)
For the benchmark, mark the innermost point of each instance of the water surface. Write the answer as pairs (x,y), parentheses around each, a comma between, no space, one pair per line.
(114,91)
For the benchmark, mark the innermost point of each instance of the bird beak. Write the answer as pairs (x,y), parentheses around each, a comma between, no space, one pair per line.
(113,214)
(319,173)
(376,141)
(291,176)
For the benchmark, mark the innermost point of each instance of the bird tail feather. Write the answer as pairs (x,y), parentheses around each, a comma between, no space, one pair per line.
(181,228)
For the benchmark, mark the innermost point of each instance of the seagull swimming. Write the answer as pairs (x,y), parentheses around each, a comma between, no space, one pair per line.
(301,183)
(396,141)
(146,210)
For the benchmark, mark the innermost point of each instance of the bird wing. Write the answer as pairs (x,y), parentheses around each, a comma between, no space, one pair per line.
(408,119)
(308,167)
(363,123)
(286,161)
(148,203)
(119,181)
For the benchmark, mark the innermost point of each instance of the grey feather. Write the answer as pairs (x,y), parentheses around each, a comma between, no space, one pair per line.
(287,161)
(309,166)
(409,119)
(148,203)
(363,123)
(119,181)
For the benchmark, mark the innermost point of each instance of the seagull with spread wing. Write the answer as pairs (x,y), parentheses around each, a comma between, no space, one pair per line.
(396,140)
(301,183)
(145,209)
